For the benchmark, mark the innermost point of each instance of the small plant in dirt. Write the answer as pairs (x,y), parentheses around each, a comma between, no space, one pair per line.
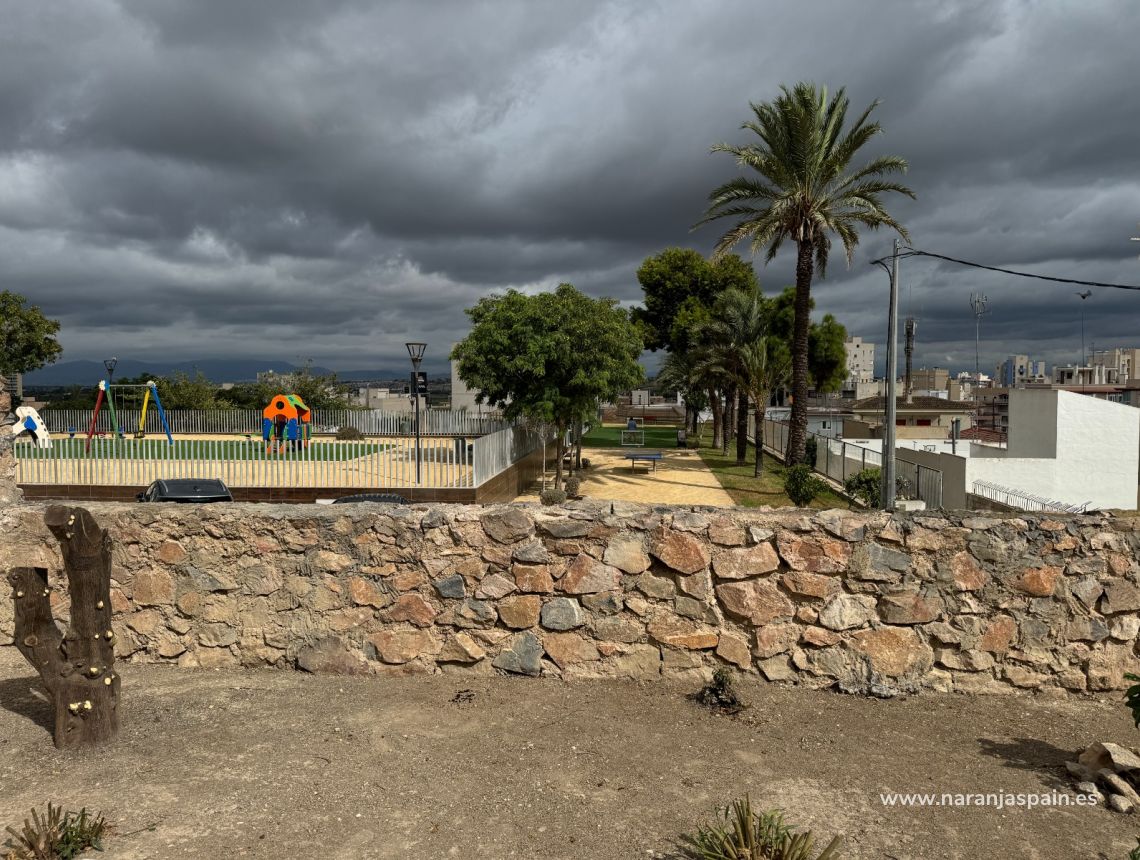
(720,693)
(573,485)
(1134,854)
(349,434)
(56,835)
(551,496)
(865,487)
(742,834)
(802,486)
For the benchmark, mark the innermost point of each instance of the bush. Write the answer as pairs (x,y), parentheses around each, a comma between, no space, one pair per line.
(56,836)
(349,434)
(552,496)
(741,834)
(866,487)
(573,485)
(720,693)
(810,449)
(802,486)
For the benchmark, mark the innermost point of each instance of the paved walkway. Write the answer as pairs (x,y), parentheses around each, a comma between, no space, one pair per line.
(682,478)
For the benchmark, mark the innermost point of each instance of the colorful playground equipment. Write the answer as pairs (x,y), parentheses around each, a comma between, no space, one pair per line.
(28,421)
(286,420)
(106,395)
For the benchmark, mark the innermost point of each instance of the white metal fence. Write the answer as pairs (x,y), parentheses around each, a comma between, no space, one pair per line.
(324,463)
(493,454)
(371,422)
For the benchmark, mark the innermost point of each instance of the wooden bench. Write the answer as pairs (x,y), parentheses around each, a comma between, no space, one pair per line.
(647,456)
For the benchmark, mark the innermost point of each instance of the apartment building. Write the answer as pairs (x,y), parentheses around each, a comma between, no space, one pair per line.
(860,361)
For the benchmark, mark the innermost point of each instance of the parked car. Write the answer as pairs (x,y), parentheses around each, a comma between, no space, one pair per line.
(387,498)
(197,490)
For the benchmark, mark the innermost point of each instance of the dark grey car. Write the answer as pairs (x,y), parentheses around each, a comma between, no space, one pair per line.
(194,490)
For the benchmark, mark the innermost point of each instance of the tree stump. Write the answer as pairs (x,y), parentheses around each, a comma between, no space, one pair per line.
(77,667)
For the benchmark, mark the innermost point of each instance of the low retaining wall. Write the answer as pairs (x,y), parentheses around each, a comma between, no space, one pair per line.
(869,602)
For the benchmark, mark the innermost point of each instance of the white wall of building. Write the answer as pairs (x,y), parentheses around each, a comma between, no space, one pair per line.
(860,360)
(1065,446)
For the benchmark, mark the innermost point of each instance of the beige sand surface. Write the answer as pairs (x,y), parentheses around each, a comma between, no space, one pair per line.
(681,478)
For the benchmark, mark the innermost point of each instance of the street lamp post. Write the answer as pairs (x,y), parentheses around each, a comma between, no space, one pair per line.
(416,354)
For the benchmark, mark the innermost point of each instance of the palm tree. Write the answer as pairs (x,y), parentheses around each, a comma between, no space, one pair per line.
(741,351)
(804,191)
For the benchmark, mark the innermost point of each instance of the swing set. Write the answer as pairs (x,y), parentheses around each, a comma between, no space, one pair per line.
(106,392)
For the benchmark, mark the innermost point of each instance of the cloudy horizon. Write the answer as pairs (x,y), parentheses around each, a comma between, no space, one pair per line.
(325,181)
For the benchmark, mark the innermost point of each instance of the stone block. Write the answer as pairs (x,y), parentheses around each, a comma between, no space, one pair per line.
(757,601)
(745,562)
(678,551)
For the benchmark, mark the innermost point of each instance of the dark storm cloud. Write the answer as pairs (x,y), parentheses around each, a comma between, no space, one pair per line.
(326,180)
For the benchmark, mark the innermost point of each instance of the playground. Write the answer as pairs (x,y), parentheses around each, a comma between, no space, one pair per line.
(115,450)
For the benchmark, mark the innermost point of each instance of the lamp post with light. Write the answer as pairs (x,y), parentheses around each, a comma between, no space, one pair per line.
(109,364)
(416,354)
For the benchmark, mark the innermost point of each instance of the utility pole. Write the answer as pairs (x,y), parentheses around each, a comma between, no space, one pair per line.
(892,372)
(908,335)
(1082,297)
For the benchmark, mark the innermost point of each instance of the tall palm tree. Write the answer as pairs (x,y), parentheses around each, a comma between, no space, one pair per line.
(741,350)
(804,191)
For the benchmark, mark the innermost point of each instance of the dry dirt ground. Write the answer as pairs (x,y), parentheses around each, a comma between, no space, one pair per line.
(285,765)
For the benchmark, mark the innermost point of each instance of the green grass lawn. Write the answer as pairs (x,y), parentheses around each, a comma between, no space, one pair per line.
(610,437)
(752,492)
(157,448)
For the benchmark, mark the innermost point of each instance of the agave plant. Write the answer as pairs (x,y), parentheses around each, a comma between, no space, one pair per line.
(742,834)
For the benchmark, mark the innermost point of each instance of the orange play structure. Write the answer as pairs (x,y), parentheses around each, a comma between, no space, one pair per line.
(285,423)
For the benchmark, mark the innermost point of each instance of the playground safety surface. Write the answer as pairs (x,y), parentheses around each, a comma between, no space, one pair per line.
(273,764)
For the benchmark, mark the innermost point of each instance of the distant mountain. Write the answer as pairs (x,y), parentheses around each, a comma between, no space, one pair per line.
(216,369)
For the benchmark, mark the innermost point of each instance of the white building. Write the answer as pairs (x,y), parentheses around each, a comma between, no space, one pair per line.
(860,361)
(463,397)
(1065,446)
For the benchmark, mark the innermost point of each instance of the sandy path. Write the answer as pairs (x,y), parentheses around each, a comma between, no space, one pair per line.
(681,478)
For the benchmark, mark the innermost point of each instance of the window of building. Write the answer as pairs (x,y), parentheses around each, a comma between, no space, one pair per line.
(1116,398)
(923,422)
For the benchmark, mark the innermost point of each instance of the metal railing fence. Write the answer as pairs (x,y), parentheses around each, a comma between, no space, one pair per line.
(371,422)
(839,460)
(1023,500)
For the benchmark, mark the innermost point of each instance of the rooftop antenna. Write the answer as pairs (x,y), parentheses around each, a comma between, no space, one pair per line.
(911,327)
(978,303)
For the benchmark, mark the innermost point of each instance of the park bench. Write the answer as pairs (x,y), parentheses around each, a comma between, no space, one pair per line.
(647,456)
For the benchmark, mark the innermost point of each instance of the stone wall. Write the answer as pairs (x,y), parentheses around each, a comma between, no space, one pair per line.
(870,602)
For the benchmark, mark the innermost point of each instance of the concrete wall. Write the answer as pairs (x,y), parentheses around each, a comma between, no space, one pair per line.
(863,601)
(953,469)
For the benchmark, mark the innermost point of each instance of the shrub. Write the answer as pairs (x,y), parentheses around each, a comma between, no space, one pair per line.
(56,835)
(573,485)
(349,434)
(801,485)
(809,452)
(551,496)
(1132,697)
(720,693)
(866,487)
(741,834)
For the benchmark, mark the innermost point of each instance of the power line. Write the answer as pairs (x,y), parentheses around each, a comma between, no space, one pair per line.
(916,253)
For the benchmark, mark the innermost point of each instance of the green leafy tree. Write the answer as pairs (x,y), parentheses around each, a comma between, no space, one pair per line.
(27,337)
(827,355)
(801,188)
(680,287)
(183,391)
(550,357)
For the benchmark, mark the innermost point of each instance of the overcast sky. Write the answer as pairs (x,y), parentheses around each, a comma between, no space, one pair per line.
(213,178)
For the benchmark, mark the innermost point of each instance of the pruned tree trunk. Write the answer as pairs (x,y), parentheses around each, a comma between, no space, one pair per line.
(729,419)
(742,428)
(77,668)
(717,413)
(760,410)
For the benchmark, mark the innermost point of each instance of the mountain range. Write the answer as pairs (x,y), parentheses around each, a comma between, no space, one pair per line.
(217,370)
